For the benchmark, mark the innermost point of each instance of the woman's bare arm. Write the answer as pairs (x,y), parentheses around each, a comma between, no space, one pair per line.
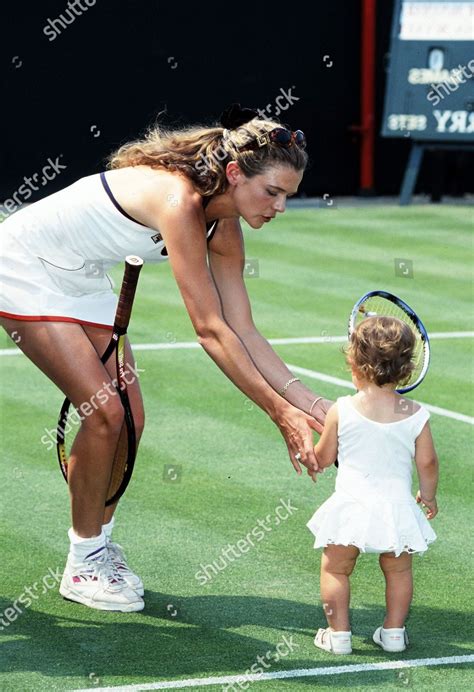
(183,229)
(226,259)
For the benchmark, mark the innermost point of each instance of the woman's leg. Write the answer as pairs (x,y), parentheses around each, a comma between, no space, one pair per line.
(64,352)
(398,587)
(100,339)
(337,564)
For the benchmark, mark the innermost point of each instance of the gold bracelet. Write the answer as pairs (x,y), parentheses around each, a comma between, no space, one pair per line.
(282,391)
(314,403)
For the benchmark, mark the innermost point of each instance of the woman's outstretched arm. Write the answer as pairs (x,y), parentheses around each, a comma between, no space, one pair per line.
(227,258)
(183,231)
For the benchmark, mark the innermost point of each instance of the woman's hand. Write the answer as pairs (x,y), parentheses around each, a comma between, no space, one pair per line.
(297,429)
(430,505)
(320,409)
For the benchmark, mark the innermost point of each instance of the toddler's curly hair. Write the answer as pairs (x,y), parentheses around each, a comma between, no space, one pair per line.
(381,350)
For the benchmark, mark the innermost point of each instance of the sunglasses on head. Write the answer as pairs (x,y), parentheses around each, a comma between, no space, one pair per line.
(279,136)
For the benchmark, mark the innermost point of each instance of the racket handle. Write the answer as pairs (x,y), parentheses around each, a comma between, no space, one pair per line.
(133,265)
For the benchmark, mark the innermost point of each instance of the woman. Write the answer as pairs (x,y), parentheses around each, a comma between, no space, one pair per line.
(172,195)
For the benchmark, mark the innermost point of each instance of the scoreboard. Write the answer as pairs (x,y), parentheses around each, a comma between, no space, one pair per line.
(430,87)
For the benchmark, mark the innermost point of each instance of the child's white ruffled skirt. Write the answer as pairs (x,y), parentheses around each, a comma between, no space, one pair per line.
(373,525)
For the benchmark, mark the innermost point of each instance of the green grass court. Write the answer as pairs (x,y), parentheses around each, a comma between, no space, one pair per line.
(212,464)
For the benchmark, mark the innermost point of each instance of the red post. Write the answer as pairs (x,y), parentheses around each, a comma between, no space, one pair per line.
(367,126)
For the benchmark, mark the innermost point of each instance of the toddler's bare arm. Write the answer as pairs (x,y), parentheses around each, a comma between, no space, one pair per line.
(326,449)
(427,467)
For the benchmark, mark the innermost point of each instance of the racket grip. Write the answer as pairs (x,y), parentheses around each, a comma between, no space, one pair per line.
(133,265)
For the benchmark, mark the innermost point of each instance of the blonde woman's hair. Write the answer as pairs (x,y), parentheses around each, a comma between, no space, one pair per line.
(381,350)
(201,153)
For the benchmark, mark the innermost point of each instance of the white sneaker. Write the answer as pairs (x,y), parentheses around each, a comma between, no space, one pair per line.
(96,583)
(393,639)
(334,642)
(117,557)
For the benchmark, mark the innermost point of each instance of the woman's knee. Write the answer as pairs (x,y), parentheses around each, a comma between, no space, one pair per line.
(106,419)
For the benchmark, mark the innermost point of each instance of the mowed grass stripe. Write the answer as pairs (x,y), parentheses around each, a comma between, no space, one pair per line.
(234,471)
(315,244)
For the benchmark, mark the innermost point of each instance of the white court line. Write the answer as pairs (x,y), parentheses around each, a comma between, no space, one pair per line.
(345,383)
(297,673)
(342,339)
(450,335)
(162,346)
(303,371)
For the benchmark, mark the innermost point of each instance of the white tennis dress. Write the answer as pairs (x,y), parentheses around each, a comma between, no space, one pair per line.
(55,254)
(373,507)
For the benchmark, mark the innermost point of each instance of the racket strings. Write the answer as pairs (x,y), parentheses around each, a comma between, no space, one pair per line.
(119,465)
(126,447)
(120,460)
(377,305)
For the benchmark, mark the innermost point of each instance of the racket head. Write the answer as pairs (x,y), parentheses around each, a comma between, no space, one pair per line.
(383,303)
(69,424)
(63,446)
(126,449)
(70,419)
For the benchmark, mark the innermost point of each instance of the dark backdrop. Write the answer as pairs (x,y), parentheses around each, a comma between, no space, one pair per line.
(121,62)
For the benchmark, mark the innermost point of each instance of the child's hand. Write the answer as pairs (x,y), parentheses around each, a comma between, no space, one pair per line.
(430,505)
(313,474)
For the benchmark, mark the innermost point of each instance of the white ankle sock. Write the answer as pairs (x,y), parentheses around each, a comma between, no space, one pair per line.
(82,548)
(107,528)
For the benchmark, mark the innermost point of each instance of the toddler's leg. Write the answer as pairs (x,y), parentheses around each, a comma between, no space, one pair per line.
(337,563)
(398,587)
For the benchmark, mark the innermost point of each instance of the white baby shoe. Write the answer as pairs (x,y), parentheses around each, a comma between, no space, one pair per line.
(334,642)
(392,639)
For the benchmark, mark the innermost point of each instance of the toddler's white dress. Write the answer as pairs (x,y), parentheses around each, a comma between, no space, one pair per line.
(373,507)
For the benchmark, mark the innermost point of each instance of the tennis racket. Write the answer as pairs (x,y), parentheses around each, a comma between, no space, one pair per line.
(382,303)
(125,452)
